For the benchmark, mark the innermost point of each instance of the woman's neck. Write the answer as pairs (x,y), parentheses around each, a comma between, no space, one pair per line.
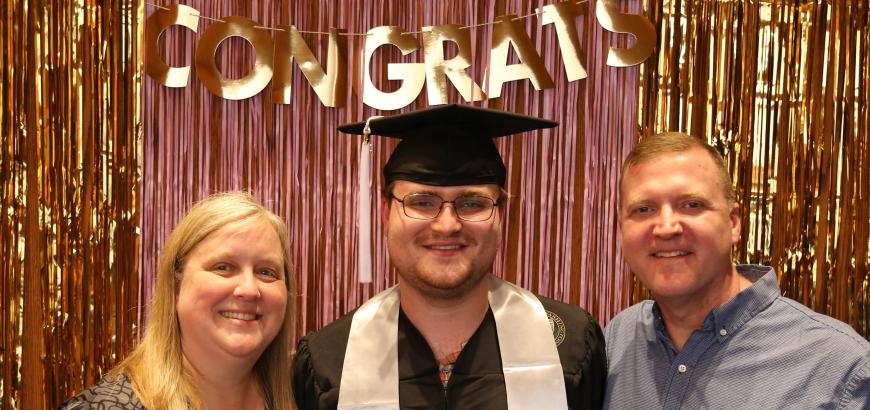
(221,386)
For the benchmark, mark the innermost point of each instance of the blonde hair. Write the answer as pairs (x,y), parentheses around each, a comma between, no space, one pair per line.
(156,366)
(674,142)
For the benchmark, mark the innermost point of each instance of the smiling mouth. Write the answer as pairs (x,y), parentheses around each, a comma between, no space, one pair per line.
(240,315)
(670,254)
(454,247)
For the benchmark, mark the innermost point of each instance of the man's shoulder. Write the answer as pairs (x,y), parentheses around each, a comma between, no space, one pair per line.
(638,312)
(577,334)
(327,344)
(571,317)
(318,361)
(564,309)
(814,325)
(337,330)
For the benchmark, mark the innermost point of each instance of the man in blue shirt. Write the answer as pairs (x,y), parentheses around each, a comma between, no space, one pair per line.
(717,335)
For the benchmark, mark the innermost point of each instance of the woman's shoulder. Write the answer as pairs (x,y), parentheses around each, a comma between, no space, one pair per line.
(110,393)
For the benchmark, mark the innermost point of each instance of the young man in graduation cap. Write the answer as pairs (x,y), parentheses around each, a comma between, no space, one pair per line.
(450,335)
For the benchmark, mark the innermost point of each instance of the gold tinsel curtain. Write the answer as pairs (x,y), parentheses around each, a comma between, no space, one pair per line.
(781,88)
(69,175)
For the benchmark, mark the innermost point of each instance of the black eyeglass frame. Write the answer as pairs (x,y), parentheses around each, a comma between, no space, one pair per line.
(495,204)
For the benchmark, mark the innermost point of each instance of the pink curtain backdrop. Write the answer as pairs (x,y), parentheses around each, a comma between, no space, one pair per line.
(560,226)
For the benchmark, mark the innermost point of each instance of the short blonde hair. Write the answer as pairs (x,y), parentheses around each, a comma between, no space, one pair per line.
(156,366)
(674,142)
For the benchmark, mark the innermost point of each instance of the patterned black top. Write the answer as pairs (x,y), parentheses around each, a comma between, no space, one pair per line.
(109,394)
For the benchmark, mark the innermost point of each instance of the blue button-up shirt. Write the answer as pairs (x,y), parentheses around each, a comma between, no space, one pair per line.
(758,350)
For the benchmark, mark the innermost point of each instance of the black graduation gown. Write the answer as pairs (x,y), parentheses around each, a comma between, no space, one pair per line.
(477,381)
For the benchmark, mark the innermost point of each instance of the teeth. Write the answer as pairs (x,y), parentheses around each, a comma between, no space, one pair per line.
(239,315)
(670,254)
(445,247)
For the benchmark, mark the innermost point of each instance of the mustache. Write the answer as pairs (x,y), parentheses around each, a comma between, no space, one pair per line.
(455,237)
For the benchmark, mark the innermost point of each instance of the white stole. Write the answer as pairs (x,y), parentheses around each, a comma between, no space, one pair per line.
(530,361)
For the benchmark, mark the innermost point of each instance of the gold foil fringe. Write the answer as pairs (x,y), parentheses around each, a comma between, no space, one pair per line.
(69,173)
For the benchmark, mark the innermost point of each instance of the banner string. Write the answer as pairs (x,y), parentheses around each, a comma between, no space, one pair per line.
(518,18)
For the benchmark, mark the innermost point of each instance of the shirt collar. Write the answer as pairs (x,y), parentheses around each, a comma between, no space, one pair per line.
(732,314)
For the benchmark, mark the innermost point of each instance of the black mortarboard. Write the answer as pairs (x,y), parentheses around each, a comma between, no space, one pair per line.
(448,145)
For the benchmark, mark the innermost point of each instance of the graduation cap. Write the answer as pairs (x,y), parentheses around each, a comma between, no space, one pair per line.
(448,145)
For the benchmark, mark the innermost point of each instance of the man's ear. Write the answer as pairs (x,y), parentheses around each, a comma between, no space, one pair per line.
(734,216)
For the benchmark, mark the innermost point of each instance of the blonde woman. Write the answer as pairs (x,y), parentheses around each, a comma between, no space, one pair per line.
(220,321)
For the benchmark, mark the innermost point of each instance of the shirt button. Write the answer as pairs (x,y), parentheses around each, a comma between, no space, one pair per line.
(681,368)
(723,332)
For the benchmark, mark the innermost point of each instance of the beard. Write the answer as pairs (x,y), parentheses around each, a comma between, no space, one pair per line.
(445,282)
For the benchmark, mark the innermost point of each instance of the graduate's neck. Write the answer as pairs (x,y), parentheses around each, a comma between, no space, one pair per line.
(446,324)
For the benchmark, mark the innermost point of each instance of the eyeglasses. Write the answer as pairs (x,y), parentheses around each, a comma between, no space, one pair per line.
(471,208)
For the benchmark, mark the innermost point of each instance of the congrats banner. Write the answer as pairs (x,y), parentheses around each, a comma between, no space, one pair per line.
(278,49)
